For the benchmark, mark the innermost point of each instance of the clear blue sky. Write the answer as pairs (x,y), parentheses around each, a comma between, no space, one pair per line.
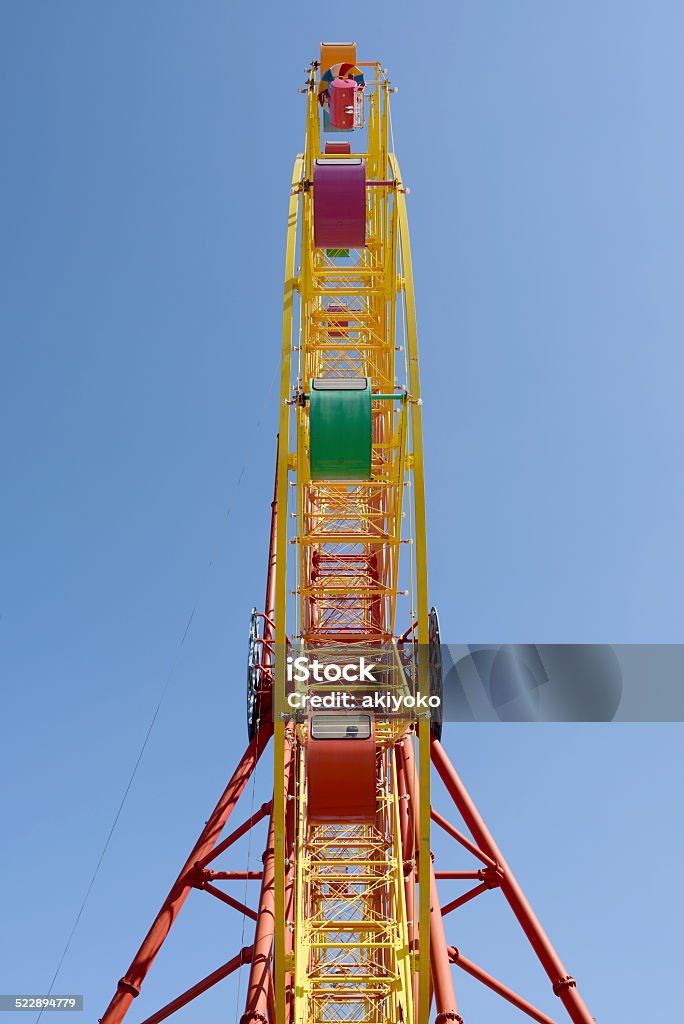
(147,149)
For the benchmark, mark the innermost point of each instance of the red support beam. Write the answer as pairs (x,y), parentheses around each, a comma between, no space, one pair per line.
(129,986)
(460,838)
(253,820)
(290,880)
(504,991)
(457,875)
(233,876)
(267,649)
(465,898)
(564,985)
(409,866)
(260,971)
(270,599)
(243,957)
(260,975)
(442,982)
(228,900)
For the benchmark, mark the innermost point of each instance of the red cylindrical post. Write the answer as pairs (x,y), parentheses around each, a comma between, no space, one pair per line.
(443,985)
(408,847)
(496,986)
(290,805)
(269,603)
(563,984)
(243,957)
(260,974)
(129,986)
(265,707)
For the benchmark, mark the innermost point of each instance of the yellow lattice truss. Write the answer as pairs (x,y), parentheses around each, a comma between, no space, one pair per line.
(352,960)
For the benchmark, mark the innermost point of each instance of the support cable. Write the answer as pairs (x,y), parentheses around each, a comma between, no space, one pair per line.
(174,665)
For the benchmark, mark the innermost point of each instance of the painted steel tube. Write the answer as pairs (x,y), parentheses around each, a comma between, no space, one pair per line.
(460,838)
(253,820)
(243,957)
(260,977)
(443,985)
(256,1004)
(269,602)
(129,986)
(408,847)
(502,990)
(229,900)
(289,884)
(563,984)
(465,898)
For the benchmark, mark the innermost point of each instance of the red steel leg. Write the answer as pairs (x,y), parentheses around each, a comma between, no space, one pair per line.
(260,975)
(243,957)
(496,986)
(290,804)
(564,985)
(445,997)
(408,847)
(129,986)
(267,647)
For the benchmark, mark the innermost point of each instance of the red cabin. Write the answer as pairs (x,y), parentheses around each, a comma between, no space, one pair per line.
(334,148)
(340,767)
(334,327)
(342,99)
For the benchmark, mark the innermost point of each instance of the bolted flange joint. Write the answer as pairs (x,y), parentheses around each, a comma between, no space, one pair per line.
(409,866)
(442,1018)
(567,982)
(491,877)
(123,985)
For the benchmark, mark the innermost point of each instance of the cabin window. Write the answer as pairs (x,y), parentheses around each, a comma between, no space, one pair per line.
(340,727)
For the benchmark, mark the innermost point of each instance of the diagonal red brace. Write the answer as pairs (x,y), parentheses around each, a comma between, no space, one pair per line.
(460,838)
(243,957)
(255,818)
(504,991)
(129,986)
(563,984)
(229,900)
(465,898)
(232,876)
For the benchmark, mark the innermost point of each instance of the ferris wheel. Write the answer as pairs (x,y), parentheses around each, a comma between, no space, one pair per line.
(349,925)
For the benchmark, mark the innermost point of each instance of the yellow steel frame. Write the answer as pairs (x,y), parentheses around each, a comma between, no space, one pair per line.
(351,955)
(352,949)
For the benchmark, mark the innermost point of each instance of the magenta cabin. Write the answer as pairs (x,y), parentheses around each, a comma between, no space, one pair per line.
(339,188)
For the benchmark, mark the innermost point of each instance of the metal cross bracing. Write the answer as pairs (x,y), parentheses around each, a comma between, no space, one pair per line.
(348,921)
(349,534)
(353,960)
